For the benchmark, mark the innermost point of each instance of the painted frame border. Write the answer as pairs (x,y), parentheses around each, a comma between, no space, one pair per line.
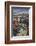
(7,22)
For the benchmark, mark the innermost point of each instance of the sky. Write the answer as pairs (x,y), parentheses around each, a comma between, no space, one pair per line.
(20,10)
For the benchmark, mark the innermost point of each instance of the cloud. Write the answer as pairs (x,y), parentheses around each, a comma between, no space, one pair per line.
(20,10)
